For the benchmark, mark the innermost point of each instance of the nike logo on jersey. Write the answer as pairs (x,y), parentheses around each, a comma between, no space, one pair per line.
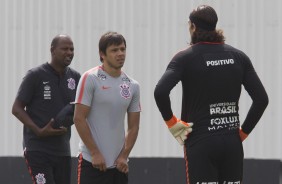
(105,87)
(46,82)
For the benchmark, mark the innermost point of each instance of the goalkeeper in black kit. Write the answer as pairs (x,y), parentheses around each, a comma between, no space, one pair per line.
(212,74)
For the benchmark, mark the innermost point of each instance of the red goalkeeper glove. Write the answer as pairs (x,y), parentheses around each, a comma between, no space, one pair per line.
(242,134)
(179,129)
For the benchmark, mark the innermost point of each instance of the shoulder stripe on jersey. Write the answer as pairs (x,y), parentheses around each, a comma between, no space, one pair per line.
(81,91)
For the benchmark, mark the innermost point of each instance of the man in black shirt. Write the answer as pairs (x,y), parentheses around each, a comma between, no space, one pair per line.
(43,96)
(211,73)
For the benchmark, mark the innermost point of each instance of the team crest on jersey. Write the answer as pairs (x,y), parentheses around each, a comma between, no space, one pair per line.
(125,92)
(40,178)
(71,83)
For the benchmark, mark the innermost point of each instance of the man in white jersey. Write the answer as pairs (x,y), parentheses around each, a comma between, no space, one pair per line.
(104,95)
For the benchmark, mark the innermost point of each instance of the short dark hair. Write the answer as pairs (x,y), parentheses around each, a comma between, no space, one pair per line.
(56,40)
(108,39)
(205,19)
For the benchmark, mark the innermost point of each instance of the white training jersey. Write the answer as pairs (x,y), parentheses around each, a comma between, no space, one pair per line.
(109,98)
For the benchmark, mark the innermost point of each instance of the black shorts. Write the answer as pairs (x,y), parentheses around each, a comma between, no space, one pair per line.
(87,174)
(216,159)
(48,168)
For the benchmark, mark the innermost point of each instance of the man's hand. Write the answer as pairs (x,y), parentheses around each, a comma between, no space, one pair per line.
(48,130)
(242,134)
(179,129)
(121,164)
(98,161)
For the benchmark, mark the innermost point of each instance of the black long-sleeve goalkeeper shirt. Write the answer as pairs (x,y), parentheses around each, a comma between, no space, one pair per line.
(212,75)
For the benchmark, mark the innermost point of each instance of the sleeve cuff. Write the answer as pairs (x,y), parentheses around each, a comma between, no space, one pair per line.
(173,120)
